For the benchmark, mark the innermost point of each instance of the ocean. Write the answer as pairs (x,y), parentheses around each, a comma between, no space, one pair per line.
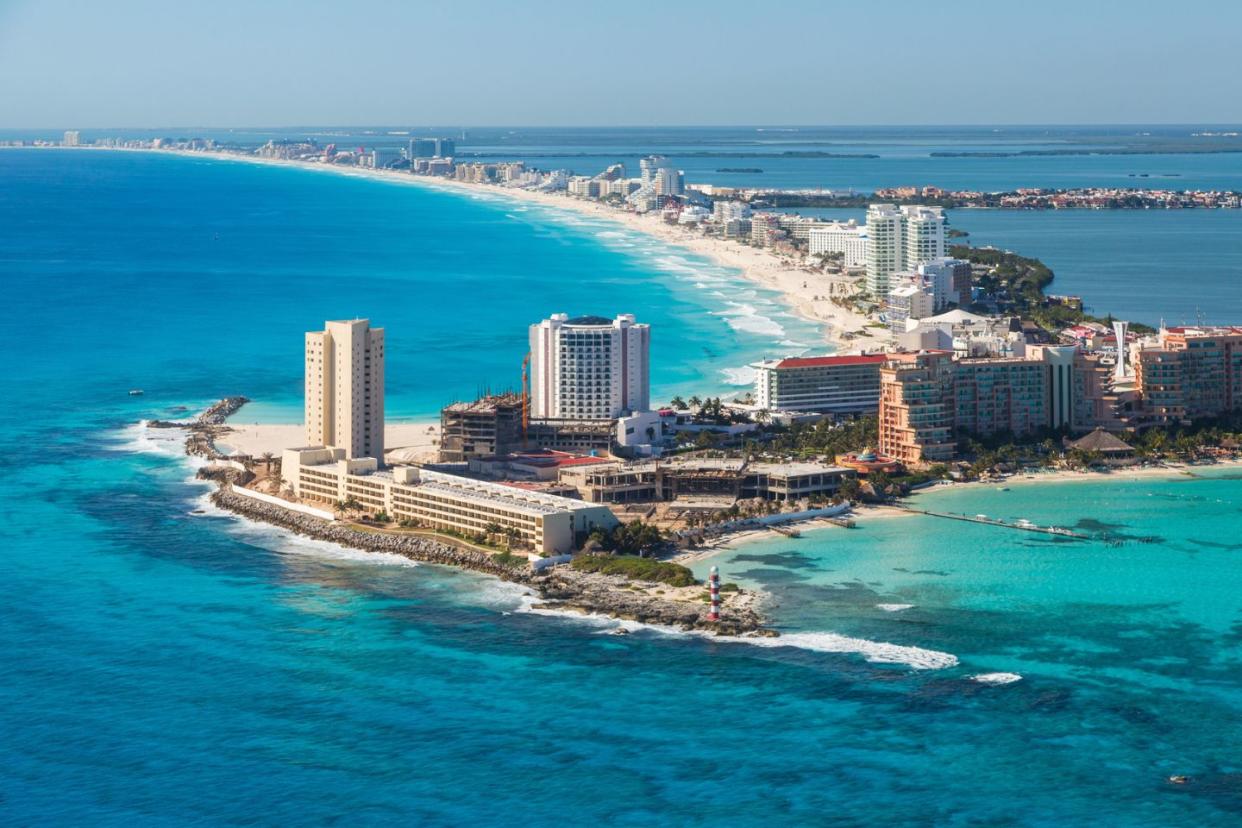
(1182,266)
(168,664)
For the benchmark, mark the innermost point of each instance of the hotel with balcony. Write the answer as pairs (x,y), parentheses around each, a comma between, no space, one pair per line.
(544,523)
(846,384)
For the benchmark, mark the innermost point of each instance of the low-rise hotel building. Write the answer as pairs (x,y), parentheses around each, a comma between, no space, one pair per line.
(718,481)
(844,384)
(848,239)
(909,301)
(545,523)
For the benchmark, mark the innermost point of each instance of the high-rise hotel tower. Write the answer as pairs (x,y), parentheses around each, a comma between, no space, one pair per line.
(345,388)
(900,239)
(589,367)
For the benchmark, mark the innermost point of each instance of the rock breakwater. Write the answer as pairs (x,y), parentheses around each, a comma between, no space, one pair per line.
(202,431)
(560,588)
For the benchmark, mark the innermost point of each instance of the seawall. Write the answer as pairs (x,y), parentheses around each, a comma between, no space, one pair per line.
(560,587)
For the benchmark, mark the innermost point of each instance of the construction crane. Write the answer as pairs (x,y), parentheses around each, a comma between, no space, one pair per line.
(525,398)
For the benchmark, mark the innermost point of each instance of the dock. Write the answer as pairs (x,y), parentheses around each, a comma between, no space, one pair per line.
(1021,526)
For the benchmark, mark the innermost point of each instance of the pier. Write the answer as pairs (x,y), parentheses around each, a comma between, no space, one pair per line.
(1022,526)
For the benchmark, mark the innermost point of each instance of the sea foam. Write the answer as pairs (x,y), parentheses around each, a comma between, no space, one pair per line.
(738,376)
(996,678)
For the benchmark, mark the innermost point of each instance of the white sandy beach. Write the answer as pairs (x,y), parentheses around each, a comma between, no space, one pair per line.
(805,291)
(410,442)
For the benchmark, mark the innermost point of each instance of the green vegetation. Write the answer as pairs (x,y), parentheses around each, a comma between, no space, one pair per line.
(1017,284)
(633,538)
(636,569)
(509,559)
(824,437)
(1201,439)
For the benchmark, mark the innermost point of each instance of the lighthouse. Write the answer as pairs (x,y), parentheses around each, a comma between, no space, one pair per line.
(713,589)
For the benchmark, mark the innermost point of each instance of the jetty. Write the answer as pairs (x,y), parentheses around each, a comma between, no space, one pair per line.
(1020,525)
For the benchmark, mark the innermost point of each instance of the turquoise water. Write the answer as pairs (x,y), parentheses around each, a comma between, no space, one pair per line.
(165,664)
(1180,265)
(198,277)
(902,154)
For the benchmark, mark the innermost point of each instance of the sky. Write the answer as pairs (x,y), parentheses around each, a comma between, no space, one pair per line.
(136,63)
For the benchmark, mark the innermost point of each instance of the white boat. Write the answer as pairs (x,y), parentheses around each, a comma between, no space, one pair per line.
(135,392)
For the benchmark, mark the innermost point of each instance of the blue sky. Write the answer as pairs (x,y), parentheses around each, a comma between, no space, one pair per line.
(546,62)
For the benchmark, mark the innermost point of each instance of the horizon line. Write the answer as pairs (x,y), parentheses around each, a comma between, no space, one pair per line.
(756,125)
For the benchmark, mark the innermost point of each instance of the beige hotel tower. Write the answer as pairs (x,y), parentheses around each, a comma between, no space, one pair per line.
(345,388)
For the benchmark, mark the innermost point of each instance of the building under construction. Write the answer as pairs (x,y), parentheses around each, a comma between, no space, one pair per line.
(492,425)
(486,427)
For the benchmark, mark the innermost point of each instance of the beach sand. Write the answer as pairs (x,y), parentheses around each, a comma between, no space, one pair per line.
(804,291)
(410,442)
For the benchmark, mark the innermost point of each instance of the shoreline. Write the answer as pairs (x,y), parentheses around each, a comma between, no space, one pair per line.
(803,292)
(866,512)
(561,588)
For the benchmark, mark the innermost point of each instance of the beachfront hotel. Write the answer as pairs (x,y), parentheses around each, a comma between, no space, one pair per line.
(846,384)
(589,367)
(544,523)
(343,461)
(927,397)
(847,239)
(900,238)
(345,388)
(1190,372)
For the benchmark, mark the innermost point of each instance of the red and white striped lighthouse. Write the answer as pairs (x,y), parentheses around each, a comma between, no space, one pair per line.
(713,588)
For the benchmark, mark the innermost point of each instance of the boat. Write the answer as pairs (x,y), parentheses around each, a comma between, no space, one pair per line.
(135,392)
(1002,488)
(1179,779)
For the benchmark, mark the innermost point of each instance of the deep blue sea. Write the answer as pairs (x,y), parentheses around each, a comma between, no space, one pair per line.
(164,664)
(1183,266)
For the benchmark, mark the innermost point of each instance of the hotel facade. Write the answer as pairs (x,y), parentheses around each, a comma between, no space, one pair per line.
(545,523)
(1190,372)
(345,388)
(898,239)
(848,384)
(848,239)
(927,398)
(589,367)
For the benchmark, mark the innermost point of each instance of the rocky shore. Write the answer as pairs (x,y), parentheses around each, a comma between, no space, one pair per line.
(203,430)
(560,588)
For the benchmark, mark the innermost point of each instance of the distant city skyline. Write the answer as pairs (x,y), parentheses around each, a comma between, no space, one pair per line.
(143,64)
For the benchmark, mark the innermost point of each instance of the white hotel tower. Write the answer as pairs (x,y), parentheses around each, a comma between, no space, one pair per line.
(345,388)
(589,367)
(900,239)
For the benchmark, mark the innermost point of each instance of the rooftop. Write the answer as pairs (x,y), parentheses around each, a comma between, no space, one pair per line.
(823,361)
(1103,442)
(485,404)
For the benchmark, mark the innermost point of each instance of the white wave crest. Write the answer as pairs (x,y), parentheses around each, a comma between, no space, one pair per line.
(285,542)
(877,652)
(139,438)
(755,323)
(738,376)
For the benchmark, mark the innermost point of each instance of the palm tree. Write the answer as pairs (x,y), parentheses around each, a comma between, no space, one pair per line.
(695,402)
(678,403)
